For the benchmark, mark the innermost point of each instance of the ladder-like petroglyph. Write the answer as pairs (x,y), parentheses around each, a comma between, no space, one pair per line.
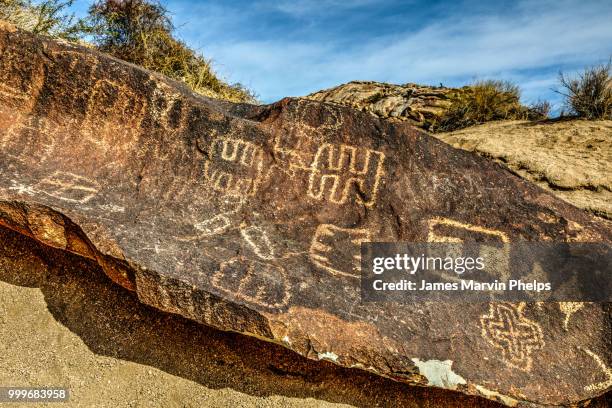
(338,172)
(236,167)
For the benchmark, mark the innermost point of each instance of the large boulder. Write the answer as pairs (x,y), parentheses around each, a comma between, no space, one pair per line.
(420,105)
(249,218)
(570,158)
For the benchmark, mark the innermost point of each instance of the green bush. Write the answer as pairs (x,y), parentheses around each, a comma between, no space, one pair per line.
(137,31)
(589,95)
(47,17)
(140,32)
(485,101)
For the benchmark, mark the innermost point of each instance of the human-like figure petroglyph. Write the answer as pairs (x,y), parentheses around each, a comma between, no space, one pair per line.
(259,241)
(235,166)
(68,187)
(607,383)
(506,328)
(338,250)
(22,189)
(260,283)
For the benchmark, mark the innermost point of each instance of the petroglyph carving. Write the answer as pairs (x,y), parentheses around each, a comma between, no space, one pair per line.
(338,170)
(22,90)
(122,109)
(213,226)
(439,223)
(22,189)
(506,328)
(259,241)
(68,187)
(7,91)
(235,168)
(338,250)
(568,309)
(260,283)
(447,230)
(604,385)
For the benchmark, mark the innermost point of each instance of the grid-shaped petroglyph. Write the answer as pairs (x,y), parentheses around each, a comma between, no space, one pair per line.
(68,187)
(338,250)
(235,166)
(259,283)
(507,329)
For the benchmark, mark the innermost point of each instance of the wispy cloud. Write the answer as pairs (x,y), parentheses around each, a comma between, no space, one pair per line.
(294,47)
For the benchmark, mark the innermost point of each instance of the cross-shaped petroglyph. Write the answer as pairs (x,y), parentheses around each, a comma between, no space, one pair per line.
(506,328)
(604,385)
(338,250)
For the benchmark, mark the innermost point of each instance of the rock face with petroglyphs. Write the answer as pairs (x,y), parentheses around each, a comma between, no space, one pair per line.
(249,218)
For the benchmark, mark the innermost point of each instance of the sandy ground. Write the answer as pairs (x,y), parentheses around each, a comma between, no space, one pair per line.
(571,158)
(62,323)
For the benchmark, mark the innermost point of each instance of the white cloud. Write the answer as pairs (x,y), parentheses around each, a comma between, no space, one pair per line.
(532,41)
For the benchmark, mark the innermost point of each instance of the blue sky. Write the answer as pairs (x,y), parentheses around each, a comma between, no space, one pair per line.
(295,47)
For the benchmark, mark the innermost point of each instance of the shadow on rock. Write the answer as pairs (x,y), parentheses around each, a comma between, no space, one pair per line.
(111,322)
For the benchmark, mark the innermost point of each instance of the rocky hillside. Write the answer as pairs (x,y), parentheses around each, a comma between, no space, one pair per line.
(419,105)
(572,159)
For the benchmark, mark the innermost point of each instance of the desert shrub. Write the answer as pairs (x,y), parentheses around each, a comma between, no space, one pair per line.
(538,110)
(589,95)
(484,101)
(47,17)
(141,32)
